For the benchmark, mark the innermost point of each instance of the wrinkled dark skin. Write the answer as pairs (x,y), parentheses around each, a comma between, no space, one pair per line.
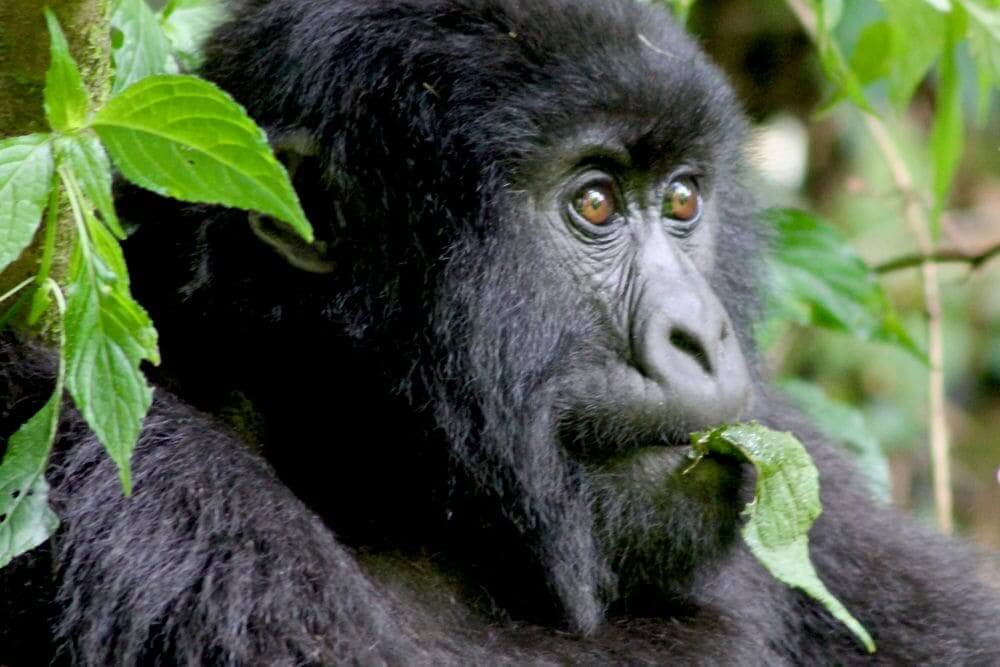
(450,432)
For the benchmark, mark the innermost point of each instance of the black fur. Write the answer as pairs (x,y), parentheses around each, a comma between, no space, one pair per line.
(425,498)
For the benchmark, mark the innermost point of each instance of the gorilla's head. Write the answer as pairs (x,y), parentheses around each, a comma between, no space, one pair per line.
(532,211)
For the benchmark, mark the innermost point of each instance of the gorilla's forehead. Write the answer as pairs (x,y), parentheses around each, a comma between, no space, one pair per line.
(619,66)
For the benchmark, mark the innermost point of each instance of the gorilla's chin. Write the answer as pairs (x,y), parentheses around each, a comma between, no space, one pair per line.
(659,520)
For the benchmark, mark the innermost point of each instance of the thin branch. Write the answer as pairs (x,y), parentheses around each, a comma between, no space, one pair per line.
(916,219)
(944,256)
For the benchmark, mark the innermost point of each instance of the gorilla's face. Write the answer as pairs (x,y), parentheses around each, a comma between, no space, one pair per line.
(598,338)
(636,237)
(638,242)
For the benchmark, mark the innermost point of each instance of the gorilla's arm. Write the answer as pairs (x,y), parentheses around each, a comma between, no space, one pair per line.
(212,560)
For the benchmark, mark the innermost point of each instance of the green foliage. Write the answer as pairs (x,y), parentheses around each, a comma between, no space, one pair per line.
(917,32)
(25,518)
(86,158)
(784,507)
(817,279)
(140,48)
(177,135)
(146,43)
(198,145)
(26,168)
(107,336)
(65,96)
(186,24)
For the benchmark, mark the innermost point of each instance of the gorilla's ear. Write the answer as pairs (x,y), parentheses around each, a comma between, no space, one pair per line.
(294,149)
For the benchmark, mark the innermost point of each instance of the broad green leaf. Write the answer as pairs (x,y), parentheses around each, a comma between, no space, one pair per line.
(819,280)
(187,23)
(918,38)
(871,58)
(846,426)
(785,505)
(65,96)
(140,48)
(182,137)
(946,133)
(26,176)
(85,156)
(25,518)
(984,37)
(107,336)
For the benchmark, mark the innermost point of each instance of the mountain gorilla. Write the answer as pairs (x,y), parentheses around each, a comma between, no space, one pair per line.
(455,424)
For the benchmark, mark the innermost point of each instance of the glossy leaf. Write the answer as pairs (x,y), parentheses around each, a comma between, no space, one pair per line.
(26,175)
(108,335)
(182,137)
(140,48)
(817,279)
(918,38)
(85,155)
(65,96)
(26,520)
(187,23)
(946,132)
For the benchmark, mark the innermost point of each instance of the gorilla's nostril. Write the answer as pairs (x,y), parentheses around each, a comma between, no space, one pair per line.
(724,334)
(690,345)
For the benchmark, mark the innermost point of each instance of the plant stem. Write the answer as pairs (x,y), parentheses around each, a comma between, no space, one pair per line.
(941,256)
(917,221)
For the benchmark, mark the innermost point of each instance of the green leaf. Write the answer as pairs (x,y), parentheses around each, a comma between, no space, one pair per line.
(984,38)
(140,48)
(946,133)
(182,137)
(26,175)
(832,11)
(918,38)
(25,518)
(65,96)
(846,426)
(785,505)
(819,280)
(85,156)
(871,58)
(187,23)
(835,66)
(107,336)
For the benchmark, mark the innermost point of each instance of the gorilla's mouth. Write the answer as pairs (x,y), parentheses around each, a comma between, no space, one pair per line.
(616,411)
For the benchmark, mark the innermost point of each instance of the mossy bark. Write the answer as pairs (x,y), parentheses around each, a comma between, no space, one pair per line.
(24,57)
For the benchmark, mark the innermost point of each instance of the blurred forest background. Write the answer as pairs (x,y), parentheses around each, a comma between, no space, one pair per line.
(827,163)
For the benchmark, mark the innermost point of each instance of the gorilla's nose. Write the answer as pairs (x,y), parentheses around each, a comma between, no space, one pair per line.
(687,347)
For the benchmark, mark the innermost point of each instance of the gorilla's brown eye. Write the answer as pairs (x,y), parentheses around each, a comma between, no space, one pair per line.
(595,204)
(682,202)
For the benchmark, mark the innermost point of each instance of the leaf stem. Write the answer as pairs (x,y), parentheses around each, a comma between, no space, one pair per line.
(15,289)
